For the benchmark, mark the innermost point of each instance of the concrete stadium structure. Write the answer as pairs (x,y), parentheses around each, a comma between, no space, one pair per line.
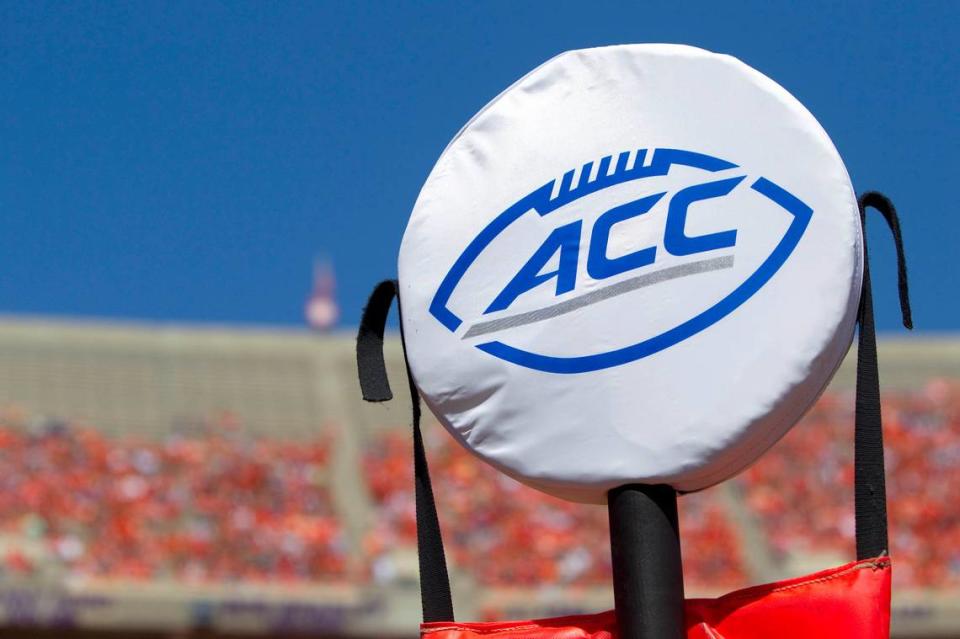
(152,378)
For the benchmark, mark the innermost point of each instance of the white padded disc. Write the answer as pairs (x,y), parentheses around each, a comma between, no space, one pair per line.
(638,264)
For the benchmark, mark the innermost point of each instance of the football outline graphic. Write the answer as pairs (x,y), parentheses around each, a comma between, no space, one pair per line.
(556,194)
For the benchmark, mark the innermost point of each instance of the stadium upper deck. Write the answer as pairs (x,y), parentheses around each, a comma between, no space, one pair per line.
(153,377)
(136,415)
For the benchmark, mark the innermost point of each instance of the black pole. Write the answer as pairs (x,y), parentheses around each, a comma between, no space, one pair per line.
(647,573)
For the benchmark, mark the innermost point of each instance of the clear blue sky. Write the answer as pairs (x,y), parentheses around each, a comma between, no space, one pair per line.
(186,161)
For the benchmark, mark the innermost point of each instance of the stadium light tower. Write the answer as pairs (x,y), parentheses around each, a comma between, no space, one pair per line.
(321,310)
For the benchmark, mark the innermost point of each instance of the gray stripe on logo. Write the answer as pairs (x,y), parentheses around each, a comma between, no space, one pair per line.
(632,284)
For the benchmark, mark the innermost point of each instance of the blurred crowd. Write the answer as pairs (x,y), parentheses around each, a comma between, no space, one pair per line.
(802,490)
(211,505)
(504,533)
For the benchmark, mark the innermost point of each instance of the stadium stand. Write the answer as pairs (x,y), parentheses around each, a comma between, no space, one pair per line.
(813,466)
(212,506)
(488,516)
(164,478)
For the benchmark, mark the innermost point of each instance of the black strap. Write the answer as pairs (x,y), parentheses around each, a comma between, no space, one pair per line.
(870,493)
(435,594)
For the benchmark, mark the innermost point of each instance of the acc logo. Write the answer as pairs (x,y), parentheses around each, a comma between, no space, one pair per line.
(561,248)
